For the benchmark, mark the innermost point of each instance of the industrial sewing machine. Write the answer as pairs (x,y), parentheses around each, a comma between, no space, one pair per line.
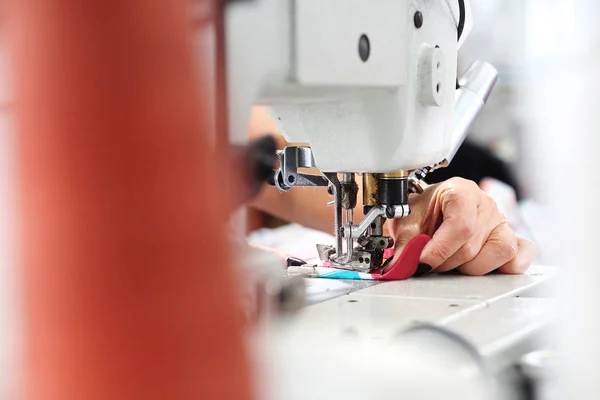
(372,88)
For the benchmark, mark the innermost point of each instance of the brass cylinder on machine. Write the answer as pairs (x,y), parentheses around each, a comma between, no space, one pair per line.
(370,188)
(395,175)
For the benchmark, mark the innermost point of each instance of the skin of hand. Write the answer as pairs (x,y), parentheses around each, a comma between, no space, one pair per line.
(468,231)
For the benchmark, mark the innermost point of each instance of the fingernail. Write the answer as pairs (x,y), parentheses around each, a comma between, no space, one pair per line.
(423,269)
(294,262)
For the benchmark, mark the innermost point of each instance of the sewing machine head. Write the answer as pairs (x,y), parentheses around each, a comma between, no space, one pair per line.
(371,86)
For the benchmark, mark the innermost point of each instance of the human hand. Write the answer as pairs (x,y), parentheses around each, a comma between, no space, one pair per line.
(467,229)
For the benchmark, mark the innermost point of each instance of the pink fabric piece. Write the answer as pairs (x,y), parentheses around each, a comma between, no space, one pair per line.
(407,263)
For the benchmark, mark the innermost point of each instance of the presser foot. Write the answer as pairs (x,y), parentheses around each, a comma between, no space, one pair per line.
(361,260)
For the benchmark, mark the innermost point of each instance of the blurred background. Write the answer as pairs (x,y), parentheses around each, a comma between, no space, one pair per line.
(8,312)
(498,38)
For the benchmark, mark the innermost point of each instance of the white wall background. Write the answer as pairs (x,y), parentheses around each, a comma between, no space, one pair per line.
(561,108)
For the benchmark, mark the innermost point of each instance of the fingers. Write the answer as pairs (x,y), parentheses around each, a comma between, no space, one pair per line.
(404,231)
(488,218)
(459,209)
(500,249)
(518,265)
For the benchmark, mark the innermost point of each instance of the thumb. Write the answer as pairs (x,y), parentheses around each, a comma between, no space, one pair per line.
(403,231)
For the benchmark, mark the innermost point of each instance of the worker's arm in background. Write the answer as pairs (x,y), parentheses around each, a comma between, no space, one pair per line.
(303,205)
(468,231)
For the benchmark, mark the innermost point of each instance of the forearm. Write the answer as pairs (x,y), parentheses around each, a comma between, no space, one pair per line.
(303,205)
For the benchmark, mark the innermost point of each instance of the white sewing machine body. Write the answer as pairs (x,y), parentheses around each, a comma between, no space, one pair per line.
(363,82)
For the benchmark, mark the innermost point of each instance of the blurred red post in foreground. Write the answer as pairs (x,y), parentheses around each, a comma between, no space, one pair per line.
(127,287)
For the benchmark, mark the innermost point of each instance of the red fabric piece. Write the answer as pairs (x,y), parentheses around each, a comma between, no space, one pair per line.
(407,263)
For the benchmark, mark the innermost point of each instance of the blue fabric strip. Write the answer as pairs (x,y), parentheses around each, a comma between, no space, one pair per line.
(351,275)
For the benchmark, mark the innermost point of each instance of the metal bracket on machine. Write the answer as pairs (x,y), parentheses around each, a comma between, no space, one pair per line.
(290,160)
